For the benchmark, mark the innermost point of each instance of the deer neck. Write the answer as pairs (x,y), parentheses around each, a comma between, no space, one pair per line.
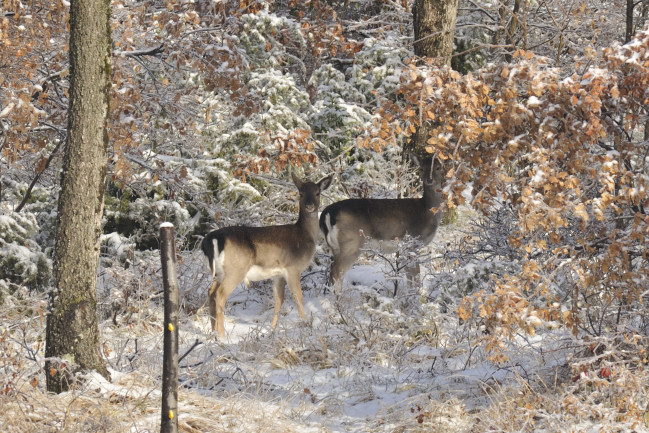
(308,223)
(432,197)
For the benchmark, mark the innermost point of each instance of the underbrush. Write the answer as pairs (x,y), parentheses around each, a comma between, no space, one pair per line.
(364,360)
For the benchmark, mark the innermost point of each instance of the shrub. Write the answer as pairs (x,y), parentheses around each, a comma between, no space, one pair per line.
(22,263)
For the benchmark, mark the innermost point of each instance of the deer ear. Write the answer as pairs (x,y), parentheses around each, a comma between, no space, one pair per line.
(296,180)
(414,159)
(325,182)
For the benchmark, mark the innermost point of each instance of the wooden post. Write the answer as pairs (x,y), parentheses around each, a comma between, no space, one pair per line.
(169,422)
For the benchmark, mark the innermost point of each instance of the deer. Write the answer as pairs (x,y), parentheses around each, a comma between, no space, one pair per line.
(347,225)
(279,252)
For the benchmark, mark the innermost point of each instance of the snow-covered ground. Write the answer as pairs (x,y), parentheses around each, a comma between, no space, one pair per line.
(363,361)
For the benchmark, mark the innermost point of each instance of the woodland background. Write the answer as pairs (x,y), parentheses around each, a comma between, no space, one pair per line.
(531,314)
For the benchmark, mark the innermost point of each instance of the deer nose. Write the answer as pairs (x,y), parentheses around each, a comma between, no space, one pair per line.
(310,207)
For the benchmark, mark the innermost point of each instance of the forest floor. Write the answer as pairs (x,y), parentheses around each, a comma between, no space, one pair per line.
(363,361)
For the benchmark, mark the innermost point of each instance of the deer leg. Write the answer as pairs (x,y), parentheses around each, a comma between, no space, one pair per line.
(217,303)
(343,259)
(296,290)
(211,300)
(278,294)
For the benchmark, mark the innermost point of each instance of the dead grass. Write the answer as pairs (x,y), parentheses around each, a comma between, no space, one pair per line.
(129,405)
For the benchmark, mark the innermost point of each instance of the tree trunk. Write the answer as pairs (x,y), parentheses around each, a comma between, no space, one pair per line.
(629,20)
(72,340)
(434,24)
(169,421)
(510,22)
(511,30)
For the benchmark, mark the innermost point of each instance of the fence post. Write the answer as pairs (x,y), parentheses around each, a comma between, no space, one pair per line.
(169,423)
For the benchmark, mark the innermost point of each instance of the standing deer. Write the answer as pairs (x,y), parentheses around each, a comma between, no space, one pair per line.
(347,224)
(241,253)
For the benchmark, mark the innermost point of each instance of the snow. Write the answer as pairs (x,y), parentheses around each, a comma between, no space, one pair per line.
(345,369)
(538,177)
(362,360)
(6,110)
(533,102)
(467,192)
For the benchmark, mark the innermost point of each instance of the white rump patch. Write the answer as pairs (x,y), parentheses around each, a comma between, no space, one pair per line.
(332,235)
(217,263)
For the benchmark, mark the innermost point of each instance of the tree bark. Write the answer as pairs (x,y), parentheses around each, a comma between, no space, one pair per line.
(629,20)
(510,23)
(169,421)
(72,340)
(434,24)
(511,30)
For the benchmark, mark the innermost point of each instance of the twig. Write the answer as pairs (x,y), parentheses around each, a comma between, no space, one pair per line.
(196,343)
(138,53)
(28,193)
